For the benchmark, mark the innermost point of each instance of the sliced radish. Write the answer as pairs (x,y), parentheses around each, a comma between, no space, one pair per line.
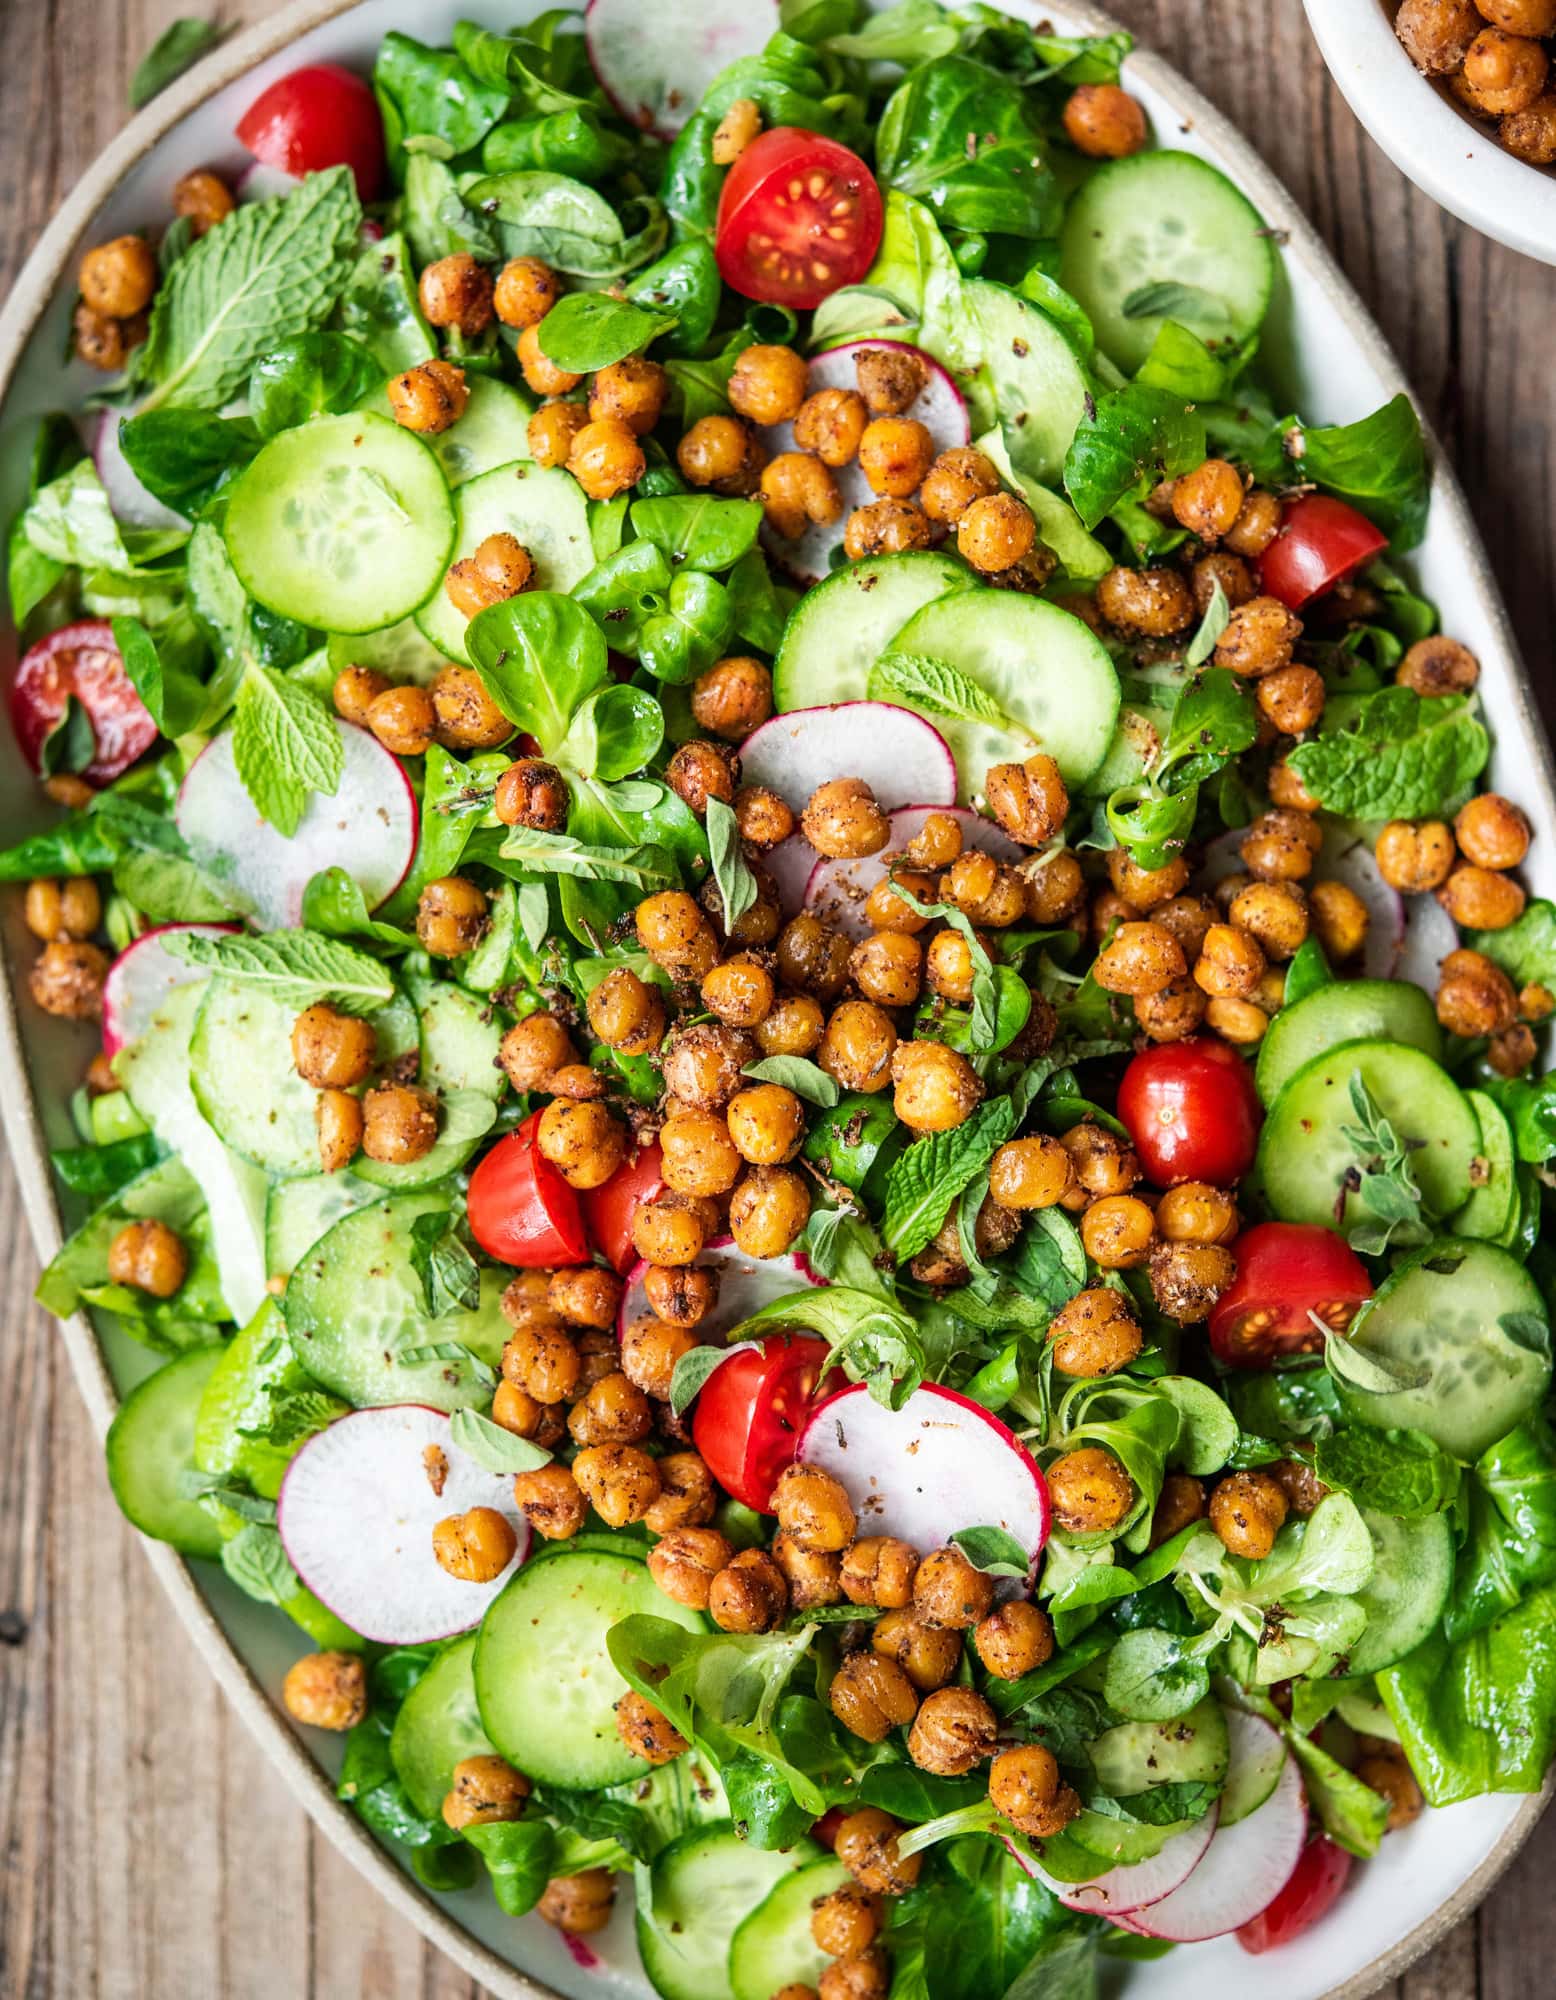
(1244,1868)
(836,890)
(939,407)
(900,756)
(745,1285)
(260,182)
(356,1513)
(1430,934)
(141,978)
(1121,1890)
(1345,858)
(939,1464)
(656,70)
(368,828)
(791,864)
(132,505)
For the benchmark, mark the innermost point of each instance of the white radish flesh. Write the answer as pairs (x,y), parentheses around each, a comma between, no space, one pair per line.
(655,68)
(1124,1889)
(837,890)
(259,182)
(356,1513)
(939,407)
(141,978)
(900,756)
(368,828)
(745,1285)
(1344,858)
(939,1464)
(133,506)
(1430,934)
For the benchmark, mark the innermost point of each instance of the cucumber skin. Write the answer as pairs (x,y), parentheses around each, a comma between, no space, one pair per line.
(1428,1568)
(813,669)
(165,1403)
(674,1980)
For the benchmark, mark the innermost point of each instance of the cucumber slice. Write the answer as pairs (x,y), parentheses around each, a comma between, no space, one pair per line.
(543,1677)
(1050,677)
(703,1885)
(464,1119)
(1255,1771)
(1165,236)
(544,509)
(300,1211)
(1137,1756)
(1439,1323)
(1117,1843)
(773,1948)
(151,1442)
(1411,1578)
(459,1042)
(493,431)
(256,1366)
(399,651)
(1348,1010)
(355,1303)
(438,1726)
(344,523)
(837,631)
(1038,383)
(1304,1155)
(1492,1210)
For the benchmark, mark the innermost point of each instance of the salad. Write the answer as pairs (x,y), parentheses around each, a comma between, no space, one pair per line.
(819,1078)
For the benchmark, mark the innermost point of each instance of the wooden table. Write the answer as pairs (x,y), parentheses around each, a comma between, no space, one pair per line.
(146,1850)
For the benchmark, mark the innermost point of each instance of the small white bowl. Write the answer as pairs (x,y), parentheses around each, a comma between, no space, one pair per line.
(1447,153)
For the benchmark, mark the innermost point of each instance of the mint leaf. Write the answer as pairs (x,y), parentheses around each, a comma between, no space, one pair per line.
(450,1277)
(181,44)
(272,270)
(293,1415)
(296,968)
(927,1178)
(693,1370)
(285,745)
(936,687)
(647,867)
(1393,1472)
(493,1448)
(1393,755)
(258,1565)
(737,885)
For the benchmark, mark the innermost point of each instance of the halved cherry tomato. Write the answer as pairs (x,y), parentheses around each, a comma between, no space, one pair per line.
(1192,1112)
(1285,1271)
(1321,541)
(317,117)
(800,216)
(81,660)
(752,1408)
(521,1210)
(1311,1891)
(608,1209)
(824,1832)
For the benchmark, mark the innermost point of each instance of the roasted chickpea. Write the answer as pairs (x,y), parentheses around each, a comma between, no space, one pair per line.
(1520,17)
(630,392)
(354,691)
(813,1509)
(1208,500)
(525,292)
(767,1124)
(798,491)
(812,1575)
(101,343)
(1104,122)
(1437,34)
(332,1050)
(71,908)
(846,1922)
(606,458)
(768,384)
(1535,1003)
(486,1791)
(499,569)
(1230,572)
(1274,915)
(1513,1051)
(1171,1015)
(404,720)
(793,1028)
(1118,1231)
(599,1356)
(866,1844)
(614,1410)
(476,1546)
(1231,962)
(731,699)
(936,1088)
(540,372)
(552,1501)
(885,910)
(1386,1772)
(1102,1162)
(148,1256)
(1029,800)
(326,1690)
(619,1481)
(584,1142)
(650,1348)
(995,533)
(1189,919)
(1287,789)
(339,1123)
(1155,603)
(703,1064)
(204,198)
(767,1211)
(735,130)
(895,453)
(1492,832)
(457,292)
(886,528)
(1025,1785)
(1090,1490)
(871,1696)
(1504,73)
(1438,665)
(700,771)
(399,1123)
(429,398)
(1258,638)
(723,453)
(1182,1502)
(1530,134)
(681,1294)
(762,817)
(879,1570)
(1292,699)
(1479,898)
(1094,1334)
(118,279)
(1056,891)
(541,1359)
(888,968)
(1188,1278)
(1030,1173)
(749,1594)
(1145,889)
(1247,1510)
(830,425)
(843,820)
(699,1155)
(517,1411)
(579,1904)
(1139,958)
(626,1013)
(1299,1482)
(552,430)
(646,1731)
(675,934)
(468,718)
(685,1561)
(533,1049)
(760,924)
(1280,846)
(1256,525)
(1014,1639)
(1339,919)
(451,916)
(813,955)
(928,1654)
(954,1731)
(949,1592)
(1474,995)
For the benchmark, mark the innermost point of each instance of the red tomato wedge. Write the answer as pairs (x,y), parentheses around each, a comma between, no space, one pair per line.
(521,1210)
(800,216)
(1192,1112)
(1312,1890)
(609,1209)
(1321,541)
(752,1408)
(317,117)
(1286,1271)
(83,661)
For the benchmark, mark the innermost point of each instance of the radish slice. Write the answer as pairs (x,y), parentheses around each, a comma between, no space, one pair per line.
(939,1464)
(836,890)
(1344,858)
(656,71)
(356,1513)
(745,1285)
(1244,1869)
(1430,934)
(142,977)
(791,864)
(900,756)
(939,407)
(132,505)
(368,828)
(260,182)
(1120,1890)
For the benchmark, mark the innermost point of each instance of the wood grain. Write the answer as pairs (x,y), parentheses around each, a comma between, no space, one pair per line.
(146,1850)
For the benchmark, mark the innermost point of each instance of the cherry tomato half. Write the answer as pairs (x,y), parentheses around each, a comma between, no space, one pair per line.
(800,216)
(752,1408)
(81,660)
(1321,541)
(1311,1891)
(521,1210)
(608,1209)
(317,117)
(1285,1271)
(1192,1112)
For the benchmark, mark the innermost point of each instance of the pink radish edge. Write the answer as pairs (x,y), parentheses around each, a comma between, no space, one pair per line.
(1243,1870)
(139,960)
(836,890)
(755,23)
(1122,1890)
